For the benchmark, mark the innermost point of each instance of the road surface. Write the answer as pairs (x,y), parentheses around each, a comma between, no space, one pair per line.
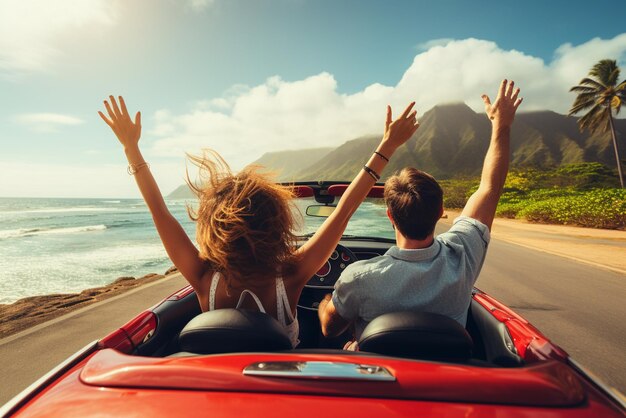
(27,356)
(579,306)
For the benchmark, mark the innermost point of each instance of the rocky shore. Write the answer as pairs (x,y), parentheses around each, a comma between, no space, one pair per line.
(30,311)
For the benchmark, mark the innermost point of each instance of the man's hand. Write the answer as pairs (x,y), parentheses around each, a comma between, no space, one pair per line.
(331,322)
(502,111)
(327,298)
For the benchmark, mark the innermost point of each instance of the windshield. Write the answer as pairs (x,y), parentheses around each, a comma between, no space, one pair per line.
(370,220)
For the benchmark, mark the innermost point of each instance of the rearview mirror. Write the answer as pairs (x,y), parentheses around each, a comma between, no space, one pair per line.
(322,211)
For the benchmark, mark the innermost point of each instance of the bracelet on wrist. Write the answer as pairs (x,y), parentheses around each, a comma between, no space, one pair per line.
(134,168)
(372,173)
(381,156)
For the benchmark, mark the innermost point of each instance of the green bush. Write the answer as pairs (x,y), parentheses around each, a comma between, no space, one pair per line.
(578,175)
(584,176)
(457,191)
(596,208)
(583,194)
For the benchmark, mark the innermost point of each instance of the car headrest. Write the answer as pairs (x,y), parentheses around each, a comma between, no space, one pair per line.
(233,330)
(418,335)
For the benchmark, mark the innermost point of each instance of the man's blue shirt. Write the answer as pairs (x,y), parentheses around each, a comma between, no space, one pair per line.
(437,279)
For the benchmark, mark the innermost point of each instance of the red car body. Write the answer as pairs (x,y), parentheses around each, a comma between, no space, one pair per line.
(103,381)
(135,371)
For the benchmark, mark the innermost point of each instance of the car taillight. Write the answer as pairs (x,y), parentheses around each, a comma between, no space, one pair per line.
(136,332)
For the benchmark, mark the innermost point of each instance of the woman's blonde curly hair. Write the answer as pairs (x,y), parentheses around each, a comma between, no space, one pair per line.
(245,221)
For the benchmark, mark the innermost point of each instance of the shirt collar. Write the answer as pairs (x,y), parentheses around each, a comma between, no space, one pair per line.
(419,254)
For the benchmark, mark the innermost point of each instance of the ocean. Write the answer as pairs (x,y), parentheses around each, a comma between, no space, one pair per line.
(68,245)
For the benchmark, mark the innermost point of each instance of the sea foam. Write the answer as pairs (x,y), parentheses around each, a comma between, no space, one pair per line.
(25,232)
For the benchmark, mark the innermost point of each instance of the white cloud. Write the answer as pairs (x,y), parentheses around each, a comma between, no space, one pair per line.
(279,114)
(28,29)
(46,122)
(274,116)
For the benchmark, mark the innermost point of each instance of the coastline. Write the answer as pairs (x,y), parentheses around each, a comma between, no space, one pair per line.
(34,310)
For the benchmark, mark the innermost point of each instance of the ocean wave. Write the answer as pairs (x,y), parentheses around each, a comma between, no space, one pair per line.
(78,209)
(111,201)
(60,210)
(26,232)
(70,272)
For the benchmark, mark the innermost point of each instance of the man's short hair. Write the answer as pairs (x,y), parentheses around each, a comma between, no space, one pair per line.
(414,199)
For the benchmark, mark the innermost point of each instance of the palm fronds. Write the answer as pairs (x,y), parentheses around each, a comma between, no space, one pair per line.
(598,95)
(606,71)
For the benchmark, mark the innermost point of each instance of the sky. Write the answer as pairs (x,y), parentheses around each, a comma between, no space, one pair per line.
(245,77)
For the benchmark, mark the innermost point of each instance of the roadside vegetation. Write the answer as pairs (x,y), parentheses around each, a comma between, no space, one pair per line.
(583,194)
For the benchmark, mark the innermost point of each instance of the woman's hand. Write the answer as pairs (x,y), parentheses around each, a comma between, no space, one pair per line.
(398,131)
(119,121)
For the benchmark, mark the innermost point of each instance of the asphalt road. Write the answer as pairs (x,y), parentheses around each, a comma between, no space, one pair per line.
(578,306)
(27,356)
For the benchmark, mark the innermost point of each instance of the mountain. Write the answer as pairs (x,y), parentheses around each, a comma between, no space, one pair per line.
(287,163)
(452,140)
(181,192)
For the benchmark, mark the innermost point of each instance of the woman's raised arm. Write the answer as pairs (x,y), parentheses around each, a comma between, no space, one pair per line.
(316,250)
(179,247)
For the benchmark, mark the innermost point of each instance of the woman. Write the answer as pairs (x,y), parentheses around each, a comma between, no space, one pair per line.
(246,257)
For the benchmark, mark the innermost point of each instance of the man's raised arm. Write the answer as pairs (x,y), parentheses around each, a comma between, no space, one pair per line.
(482,204)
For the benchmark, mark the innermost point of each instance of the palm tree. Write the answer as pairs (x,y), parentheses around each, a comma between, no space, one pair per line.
(599,94)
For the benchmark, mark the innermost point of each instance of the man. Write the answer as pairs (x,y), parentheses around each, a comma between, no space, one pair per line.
(423,272)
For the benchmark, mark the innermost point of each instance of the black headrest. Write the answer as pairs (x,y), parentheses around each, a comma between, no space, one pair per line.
(233,330)
(418,335)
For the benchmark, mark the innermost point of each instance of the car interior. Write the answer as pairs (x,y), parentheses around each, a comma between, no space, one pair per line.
(183,330)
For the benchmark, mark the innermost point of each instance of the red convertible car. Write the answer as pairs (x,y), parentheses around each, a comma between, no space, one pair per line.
(173,360)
